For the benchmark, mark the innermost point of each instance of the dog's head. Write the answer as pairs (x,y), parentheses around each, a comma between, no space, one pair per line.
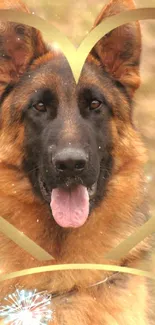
(69,139)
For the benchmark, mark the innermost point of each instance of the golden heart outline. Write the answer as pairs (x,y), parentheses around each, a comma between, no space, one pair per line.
(76,59)
(66,267)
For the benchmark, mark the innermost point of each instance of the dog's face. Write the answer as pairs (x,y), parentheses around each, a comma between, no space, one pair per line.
(68,129)
(67,136)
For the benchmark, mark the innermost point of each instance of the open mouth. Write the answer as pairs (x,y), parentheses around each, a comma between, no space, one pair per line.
(70,207)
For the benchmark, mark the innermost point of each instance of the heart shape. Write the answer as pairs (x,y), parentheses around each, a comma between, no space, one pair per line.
(65,267)
(76,59)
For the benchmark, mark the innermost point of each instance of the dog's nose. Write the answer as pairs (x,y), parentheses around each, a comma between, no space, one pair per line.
(70,160)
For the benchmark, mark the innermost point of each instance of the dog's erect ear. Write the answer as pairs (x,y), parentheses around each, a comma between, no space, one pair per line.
(19,45)
(119,51)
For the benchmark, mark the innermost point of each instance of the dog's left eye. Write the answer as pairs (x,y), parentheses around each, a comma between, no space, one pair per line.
(95,104)
(41,107)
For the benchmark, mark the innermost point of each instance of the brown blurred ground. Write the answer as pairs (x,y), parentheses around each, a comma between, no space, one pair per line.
(75,19)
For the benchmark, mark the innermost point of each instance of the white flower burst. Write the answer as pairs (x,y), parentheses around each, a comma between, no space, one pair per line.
(27,308)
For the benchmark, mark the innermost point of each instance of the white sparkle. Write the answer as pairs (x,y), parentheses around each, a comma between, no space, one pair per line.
(149,178)
(27,308)
(55,46)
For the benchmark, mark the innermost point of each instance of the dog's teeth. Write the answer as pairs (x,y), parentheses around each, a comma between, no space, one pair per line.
(92,189)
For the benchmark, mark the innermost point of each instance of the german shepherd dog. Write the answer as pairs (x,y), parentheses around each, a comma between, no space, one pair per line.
(71,169)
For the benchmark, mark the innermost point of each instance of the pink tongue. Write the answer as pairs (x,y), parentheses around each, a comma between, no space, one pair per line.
(70,208)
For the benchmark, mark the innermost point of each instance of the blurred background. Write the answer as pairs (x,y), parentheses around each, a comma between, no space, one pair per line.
(75,18)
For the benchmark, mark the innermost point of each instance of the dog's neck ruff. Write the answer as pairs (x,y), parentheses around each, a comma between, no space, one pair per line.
(74,290)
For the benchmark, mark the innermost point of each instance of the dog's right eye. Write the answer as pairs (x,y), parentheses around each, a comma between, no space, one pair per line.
(95,104)
(41,107)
